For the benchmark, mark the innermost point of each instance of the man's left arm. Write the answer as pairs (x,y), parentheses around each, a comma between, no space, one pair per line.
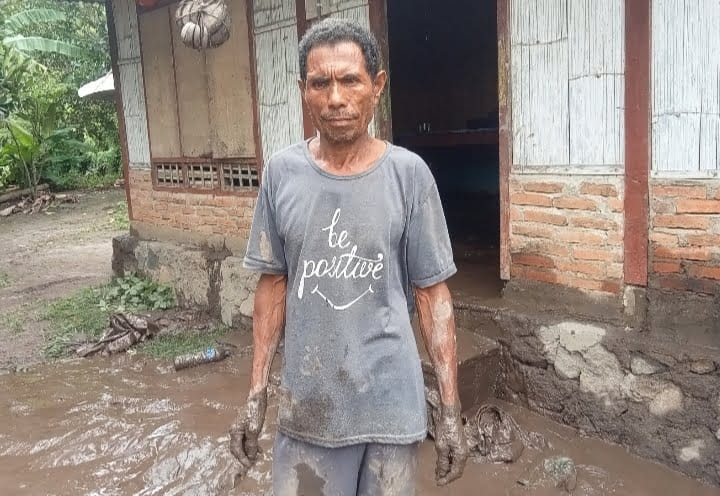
(437,326)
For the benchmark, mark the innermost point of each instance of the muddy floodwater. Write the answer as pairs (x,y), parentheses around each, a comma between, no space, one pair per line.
(129,425)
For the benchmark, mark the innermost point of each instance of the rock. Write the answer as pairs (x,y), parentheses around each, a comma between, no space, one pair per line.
(692,451)
(667,401)
(644,366)
(702,367)
(567,366)
(717,434)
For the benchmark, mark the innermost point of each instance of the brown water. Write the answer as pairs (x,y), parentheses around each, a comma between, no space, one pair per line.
(134,426)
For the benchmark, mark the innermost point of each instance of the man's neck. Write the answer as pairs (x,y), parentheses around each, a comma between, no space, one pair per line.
(346,158)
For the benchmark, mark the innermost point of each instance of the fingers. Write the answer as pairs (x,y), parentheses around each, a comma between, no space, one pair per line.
(443,463)
(237,441)
(456,469)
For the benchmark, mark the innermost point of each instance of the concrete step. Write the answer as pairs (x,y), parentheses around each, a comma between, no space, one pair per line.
(479,367)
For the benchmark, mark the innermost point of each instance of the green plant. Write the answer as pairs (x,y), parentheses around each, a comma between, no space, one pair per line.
(132,292)
(13,322)
(168,346)
(4,279)
(120,218)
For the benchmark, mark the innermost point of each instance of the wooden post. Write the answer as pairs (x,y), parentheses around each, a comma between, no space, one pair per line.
(637,139)
(504,131)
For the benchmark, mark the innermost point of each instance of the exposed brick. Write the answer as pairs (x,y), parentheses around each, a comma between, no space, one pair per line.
(545,218)
(516,214)
(664,239)
(532,230)
(615,238)
(704,240)
(540,247)
(615,204)
(615,270)
(598,189)
(534,274)
(683,253)
(574,203)
(589,238)
(591,254)
(663,206)
(666,267)
(705,271)
(594,223)
(698,206)
(695,192)
(543,187)
(673,281)
(681,221)
(613,286)
(594,270)
(531,199)
(533,260)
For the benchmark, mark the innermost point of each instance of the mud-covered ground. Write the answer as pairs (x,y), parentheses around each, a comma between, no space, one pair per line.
(48,255)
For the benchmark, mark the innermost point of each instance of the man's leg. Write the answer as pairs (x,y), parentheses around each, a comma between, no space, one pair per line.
(303,469)
(388,470)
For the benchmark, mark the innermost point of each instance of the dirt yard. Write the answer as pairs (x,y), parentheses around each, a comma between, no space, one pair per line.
(47,255)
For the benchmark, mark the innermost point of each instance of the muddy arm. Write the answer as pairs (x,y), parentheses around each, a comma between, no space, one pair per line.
(437,326)
(268,324)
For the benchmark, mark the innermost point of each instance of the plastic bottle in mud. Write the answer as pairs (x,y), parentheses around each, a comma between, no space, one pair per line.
(206,356)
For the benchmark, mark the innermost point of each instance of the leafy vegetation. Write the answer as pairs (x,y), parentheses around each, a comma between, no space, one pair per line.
(4,279)
(120,219)
(48,49)
(12,321)
(85,314)
(168,346)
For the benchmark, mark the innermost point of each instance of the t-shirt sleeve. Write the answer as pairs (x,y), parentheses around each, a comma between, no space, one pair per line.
(429,252)
(265,250)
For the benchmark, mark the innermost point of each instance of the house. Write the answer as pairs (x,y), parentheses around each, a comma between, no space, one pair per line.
(575,144)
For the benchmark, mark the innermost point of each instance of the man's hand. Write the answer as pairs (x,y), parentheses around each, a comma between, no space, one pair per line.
(245,431)
(450,445)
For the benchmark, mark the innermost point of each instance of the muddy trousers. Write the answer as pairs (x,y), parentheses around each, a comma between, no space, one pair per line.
(303,469)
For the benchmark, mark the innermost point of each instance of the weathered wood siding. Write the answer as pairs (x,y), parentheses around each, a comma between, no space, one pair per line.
(229,75)
(280,105)
(199,104)
(686,86)
(567,77)
(158,68)
(131,82)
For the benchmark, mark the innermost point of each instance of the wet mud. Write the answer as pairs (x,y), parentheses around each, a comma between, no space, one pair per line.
(128,425)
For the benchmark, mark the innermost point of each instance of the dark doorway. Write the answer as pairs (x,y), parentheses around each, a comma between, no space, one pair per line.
(443,82)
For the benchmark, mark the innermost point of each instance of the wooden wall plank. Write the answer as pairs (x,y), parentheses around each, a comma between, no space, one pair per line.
(567,84)
(129,71)
(192,96)
(277,67)
(230,89)
(686,86)
(271,14)
(316,8)
(159,77)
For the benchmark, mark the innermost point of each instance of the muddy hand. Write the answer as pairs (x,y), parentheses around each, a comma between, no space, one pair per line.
(245,431)
(450,445)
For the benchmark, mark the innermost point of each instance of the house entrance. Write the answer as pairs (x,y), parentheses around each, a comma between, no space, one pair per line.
(443,83)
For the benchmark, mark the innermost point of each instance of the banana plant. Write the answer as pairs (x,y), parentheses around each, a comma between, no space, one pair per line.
(13,27)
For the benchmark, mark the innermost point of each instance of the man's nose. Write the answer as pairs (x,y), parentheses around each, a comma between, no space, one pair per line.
(336,98)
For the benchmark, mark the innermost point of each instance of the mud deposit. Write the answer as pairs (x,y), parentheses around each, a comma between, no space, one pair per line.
(134,426)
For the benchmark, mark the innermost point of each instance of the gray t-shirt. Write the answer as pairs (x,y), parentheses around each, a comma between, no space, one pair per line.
(352,247)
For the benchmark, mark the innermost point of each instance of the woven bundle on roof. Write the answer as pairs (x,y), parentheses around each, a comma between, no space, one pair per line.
(203,23)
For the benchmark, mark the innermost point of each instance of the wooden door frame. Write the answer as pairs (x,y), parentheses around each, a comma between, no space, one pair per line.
(504,130)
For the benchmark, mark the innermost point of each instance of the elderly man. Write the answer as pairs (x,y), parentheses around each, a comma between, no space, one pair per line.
(348,233)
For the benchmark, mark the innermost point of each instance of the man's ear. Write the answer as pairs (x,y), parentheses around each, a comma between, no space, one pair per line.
(379,84)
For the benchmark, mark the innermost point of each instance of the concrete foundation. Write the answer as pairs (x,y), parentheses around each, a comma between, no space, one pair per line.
(206,277)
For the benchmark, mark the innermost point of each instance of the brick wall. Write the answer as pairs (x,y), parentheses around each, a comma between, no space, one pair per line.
(685,235)
(567,230)
(228,215)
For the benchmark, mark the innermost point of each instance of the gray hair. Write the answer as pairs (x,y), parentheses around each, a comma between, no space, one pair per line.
(331,31)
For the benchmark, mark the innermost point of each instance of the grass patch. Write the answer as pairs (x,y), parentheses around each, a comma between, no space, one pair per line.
(13,322)
(119,216)
(4,280)
(86,313)
(168,346)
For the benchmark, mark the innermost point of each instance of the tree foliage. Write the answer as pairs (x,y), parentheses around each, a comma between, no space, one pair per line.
(48,49)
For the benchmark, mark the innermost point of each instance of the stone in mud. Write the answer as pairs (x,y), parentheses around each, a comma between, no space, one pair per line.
(644,366)
(556,472)
(667,401)
(702,367)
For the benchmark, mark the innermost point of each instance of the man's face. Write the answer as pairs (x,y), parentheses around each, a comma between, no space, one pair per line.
(339,92)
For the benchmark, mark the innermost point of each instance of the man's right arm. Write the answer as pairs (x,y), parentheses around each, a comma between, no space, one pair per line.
(268,324)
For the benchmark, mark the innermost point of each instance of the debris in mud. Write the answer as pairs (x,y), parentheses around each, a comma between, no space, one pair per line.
(493,435)
(125,331)
(40,204)
(209,355)
(558,472)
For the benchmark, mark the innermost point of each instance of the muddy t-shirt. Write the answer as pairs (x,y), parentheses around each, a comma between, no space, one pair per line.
(352,248)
